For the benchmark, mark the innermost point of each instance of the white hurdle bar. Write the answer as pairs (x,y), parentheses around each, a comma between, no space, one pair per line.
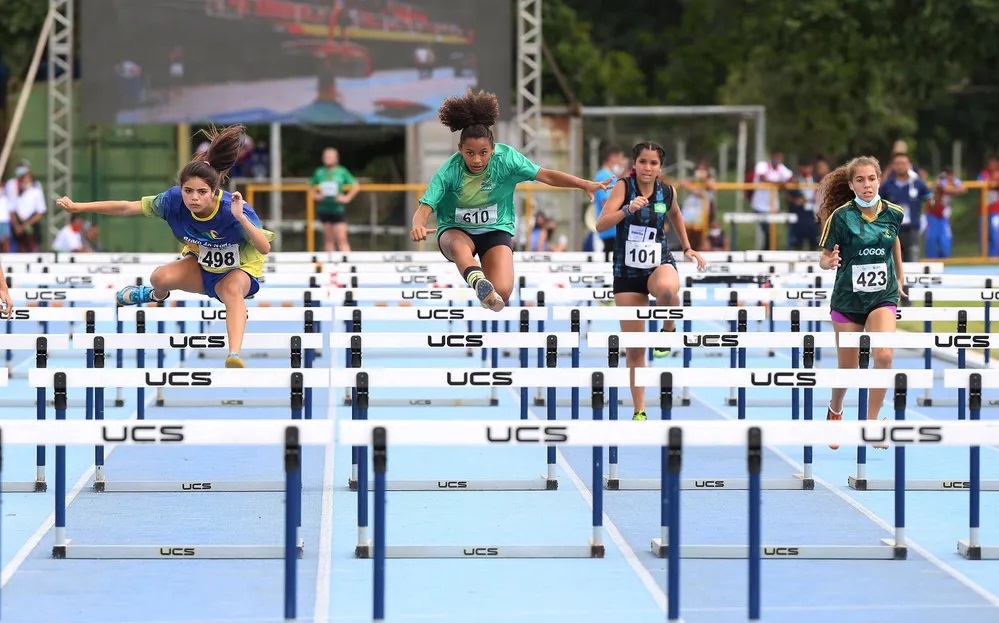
(309,317)
(357,342)
(974,381)
(364,380)
(686,314)
(357,318)
(806,342)
(60,380)
(925,340)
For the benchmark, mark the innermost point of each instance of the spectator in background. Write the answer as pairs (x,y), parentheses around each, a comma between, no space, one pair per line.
(698,206)
(70,238)
(939,236)
(715,240)
(905,188)
(543,233)
(27,209)
(328,184)
(614,165)
(804,233)
(5,209)
(771,171)
(991,178)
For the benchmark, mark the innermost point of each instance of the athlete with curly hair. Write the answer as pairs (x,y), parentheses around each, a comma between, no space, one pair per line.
(472,196)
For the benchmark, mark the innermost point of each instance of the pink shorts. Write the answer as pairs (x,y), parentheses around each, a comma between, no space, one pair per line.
(860,319)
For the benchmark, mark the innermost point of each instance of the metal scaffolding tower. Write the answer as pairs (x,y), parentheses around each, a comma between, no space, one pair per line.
(60,109)
(529,77)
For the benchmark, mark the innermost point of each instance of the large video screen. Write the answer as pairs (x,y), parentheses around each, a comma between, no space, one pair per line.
(289,61)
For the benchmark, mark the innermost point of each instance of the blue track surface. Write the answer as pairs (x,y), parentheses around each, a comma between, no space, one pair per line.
(934,584)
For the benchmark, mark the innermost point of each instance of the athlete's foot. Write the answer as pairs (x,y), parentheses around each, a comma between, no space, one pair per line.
(487,295)
(136,295)
(640,416)
(234,361)
(837,417)
(659,353)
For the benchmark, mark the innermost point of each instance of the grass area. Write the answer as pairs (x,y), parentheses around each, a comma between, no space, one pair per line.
(974,326)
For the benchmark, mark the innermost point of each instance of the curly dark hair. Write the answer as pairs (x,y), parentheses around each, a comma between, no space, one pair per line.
(472,113)
(835,186)
(213,165)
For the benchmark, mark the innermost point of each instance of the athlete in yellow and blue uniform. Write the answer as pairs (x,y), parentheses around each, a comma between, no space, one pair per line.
(225,244)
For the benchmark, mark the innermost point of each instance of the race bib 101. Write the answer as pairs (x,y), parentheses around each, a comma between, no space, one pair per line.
(476,217)
(870,277)
(642,254)
(224,257)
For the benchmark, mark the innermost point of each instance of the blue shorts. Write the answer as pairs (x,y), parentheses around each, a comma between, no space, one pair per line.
(4,230)
(210,280)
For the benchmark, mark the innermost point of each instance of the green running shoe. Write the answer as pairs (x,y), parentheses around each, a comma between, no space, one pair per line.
(640,416)
(659,353)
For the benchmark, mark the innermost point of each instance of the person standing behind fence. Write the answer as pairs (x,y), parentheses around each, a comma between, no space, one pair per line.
(803,234)
(698,207)
(328,183)
(611,169)
(990,175)
(771,171)
(904,187)
(939,236)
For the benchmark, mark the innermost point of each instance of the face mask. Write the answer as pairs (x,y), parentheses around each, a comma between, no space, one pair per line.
(617,169)
(865,204)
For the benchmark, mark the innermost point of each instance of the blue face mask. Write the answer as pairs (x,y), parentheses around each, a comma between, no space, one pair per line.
(867,204)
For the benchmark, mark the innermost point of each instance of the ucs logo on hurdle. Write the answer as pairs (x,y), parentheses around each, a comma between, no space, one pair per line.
(422,294)
(440,314)
(480,379)
(783,379)
(528,434)
(179,379)
(197,341)
(144,433)
(455,340)
(963,341)
(729,340)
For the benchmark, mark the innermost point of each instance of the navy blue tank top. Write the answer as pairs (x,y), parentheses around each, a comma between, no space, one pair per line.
(640,244)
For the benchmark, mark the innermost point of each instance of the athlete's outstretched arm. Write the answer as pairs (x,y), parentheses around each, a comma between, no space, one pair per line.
(109,208)
(676,218)
(564,180)
(613,210)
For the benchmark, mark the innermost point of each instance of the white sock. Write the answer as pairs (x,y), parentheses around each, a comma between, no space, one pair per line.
(834,412)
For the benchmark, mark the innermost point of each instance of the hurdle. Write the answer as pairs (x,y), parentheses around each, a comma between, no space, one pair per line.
(672,437)
(363,380)
(60,380)
(550,342)
(685,314)
(357,319)
(899,380)
(973,381)
(971,292)
(307,316)
(937,340)
(784,378)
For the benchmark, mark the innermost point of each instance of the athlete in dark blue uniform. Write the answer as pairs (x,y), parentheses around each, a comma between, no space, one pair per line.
(643,265)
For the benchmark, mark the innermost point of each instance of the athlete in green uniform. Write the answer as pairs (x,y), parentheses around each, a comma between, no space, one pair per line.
(328,183)
(860,240)
(472,194)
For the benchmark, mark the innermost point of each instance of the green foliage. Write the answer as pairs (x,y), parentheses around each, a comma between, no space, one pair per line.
(19,29)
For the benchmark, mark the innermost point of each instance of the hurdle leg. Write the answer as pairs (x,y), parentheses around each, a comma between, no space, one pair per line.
(755,540)
(673,562)
(380,463)
(859,482)
(613,358)
(363,549)
(688,356)
(494,356)
(972,548)
(119,397)
(59,396)
(292,515)
(89,410)
(40,485)
(597,540)
(523,390)
(660,545)
(900,396)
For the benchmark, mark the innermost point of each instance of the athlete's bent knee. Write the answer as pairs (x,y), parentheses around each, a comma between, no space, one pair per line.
(883,358)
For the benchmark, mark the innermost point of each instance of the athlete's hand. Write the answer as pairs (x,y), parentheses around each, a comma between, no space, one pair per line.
(236,206)
(690,254)
(593,187)
(901,289)
(834,260)
(637,204)
(6,304)
(419,234)
(68,205)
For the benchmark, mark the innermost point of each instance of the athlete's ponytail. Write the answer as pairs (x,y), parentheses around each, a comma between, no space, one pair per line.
(835,186)
(473,114)
(213,165)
